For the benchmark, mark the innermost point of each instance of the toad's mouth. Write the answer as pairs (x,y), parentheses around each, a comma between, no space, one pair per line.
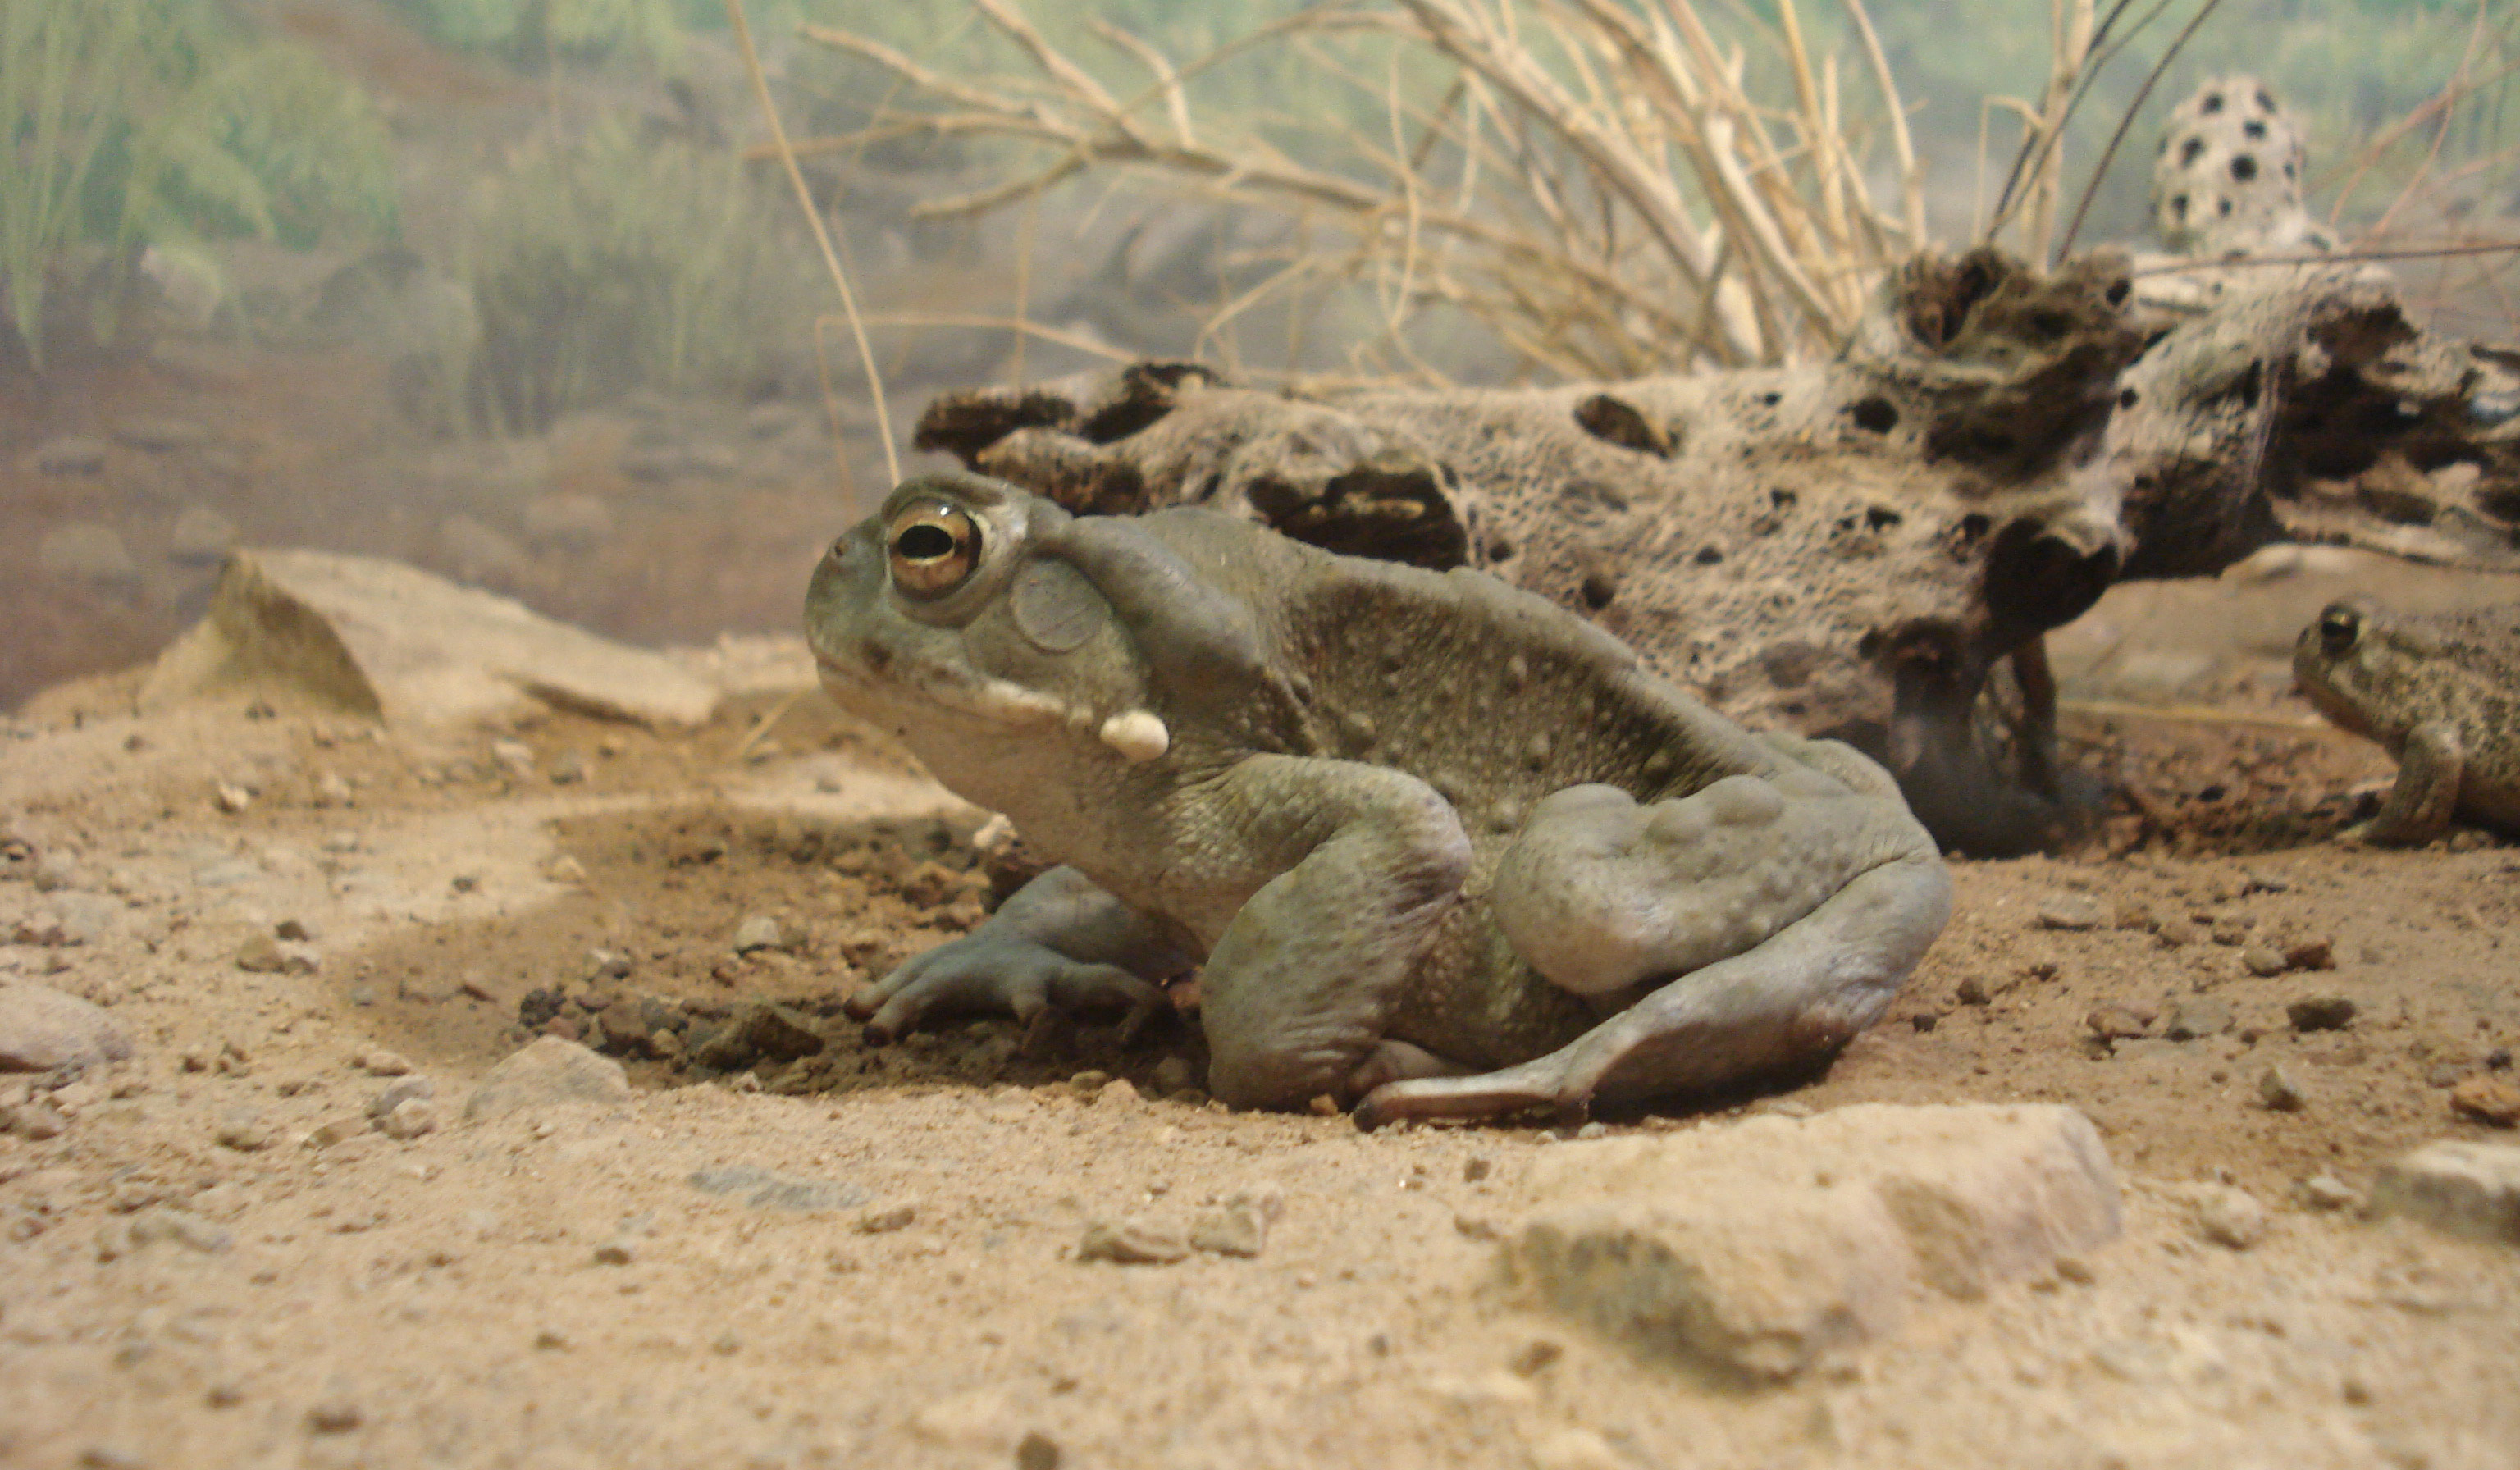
(880,674)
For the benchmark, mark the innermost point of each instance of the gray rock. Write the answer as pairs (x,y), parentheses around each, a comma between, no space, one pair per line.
(2197,1017)
(759,1029)
(764,1190)
(567,522)
(393,641)
(2278,1090)
(2228,1217)
(1235,1231)
(1172,1075)
(400,1090)
(2320,1013)
(35,1118)
(890,1218)
(548,1073)
(757,931)
(337,1413)
(1036,1451)
(88,918)
(1132,1242)
(83,551)
(2325,1191)
(159,1224)
(409,1119)
(71,454)
(2071,911)
(161,436)
(201,537)
(42,1028)
(479,554)
(244,1131)
(1759,1248)
(2464,1189)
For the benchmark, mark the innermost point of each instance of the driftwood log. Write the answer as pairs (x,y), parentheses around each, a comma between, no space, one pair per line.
(1852,547)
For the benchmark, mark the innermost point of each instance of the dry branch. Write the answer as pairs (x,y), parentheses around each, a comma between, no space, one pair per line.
(1594,182)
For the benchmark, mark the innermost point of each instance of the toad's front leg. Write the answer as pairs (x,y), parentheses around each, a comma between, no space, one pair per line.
(1300,985)
(1058,943)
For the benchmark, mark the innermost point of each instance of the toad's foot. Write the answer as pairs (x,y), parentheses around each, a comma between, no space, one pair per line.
(1793,1000)
(1058,944)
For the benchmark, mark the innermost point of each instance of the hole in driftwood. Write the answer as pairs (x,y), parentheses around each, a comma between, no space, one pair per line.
(1874,414)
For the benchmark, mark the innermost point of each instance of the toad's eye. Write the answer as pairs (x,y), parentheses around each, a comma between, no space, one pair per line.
(934,547)
(2338,627)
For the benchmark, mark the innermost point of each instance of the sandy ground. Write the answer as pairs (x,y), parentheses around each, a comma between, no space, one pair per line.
(865,1256)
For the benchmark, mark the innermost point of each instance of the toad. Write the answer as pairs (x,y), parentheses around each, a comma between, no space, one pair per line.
(1437,847)
(2443,695)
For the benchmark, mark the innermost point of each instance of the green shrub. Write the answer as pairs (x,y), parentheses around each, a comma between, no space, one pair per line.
(610,262)
(153,121)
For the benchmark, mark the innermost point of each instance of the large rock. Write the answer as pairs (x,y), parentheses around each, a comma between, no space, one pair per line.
(548,1073)
(1754,1250)
(2465,1189)
(393,641)
(41,1029)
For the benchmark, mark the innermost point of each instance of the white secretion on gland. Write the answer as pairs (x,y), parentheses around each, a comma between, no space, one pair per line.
(1138,735)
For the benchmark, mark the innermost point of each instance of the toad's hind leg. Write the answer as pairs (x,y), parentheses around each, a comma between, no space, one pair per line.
(1785,916)
(1795,998)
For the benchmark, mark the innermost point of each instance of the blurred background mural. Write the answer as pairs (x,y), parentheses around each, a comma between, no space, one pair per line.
(518,290)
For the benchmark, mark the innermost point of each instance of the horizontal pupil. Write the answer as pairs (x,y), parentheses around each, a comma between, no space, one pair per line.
(924,543)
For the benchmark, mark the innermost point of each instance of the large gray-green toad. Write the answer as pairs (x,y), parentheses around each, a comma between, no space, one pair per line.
(2443,693)
(1439,845)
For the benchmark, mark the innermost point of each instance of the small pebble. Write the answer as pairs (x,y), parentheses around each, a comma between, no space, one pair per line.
(2197,1017)
(2311,955)
(1037,1451)
(337,1413)
(2262,960)
(2325,1191)
(379,1062)
(2116,1022)
(886,1220)
(1534,1356)
(409,1119)
(757,931)
(2486,1099)
(613,1253)
(2071,911)
(1234,1232)
(232,799)
(244,1131)
(2277,1090)
(1132,1242)
(2320,1013)
(2230,1218)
